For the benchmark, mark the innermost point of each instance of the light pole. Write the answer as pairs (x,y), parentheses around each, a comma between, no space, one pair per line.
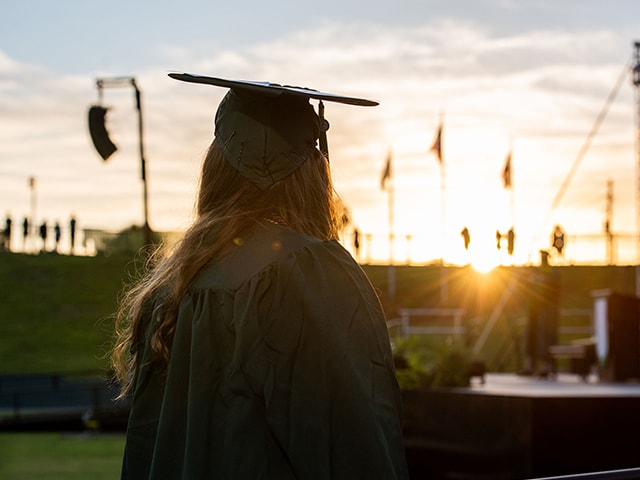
(104,145)
(32,221)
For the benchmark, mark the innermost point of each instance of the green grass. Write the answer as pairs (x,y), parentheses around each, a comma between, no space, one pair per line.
(55,317)
(36,456)
(55,311)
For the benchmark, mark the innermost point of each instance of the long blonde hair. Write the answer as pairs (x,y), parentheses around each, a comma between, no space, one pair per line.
(227,205)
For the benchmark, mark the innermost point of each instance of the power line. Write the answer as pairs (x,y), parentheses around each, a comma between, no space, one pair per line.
(587,143)
(592,133)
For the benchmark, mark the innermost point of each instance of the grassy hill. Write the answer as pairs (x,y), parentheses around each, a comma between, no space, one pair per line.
(55,309)
(504,293)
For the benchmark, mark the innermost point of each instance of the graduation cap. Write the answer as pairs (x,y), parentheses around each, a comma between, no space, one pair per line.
(267,130)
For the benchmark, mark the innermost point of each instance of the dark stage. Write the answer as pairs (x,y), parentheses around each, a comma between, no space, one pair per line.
(516,427)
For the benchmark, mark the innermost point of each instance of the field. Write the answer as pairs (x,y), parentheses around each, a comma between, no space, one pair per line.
(46,456)
(55,316)
(55,312)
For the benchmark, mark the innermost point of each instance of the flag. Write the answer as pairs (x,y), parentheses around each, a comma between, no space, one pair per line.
(437,144)
(386,173)
(506,172)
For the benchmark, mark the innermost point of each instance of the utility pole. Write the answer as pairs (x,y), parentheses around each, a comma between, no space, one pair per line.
(607,224)
(636,84)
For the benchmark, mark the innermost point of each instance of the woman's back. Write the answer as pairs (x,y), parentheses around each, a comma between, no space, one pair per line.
(280,368)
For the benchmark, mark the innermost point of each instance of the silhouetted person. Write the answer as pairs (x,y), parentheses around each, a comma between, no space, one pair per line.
(58,233)
(7,234)
(466,237)
(72,233)
(356,242)
(558,239)
(25,232)
(511,239)
(542,319)
(43,235)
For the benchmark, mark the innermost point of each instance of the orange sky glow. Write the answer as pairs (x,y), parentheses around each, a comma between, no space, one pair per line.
(531,85)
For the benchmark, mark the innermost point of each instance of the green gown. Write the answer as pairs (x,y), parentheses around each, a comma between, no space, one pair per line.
(280,368)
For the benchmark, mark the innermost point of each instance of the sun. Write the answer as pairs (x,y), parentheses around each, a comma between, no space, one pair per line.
(483,260)
(483,264)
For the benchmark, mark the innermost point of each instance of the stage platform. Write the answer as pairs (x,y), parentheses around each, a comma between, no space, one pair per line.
(518,427)
(562,385)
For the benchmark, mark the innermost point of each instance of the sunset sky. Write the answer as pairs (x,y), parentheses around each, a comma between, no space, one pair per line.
(526,77)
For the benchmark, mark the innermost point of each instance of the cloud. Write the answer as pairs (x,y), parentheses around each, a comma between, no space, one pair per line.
(536,92)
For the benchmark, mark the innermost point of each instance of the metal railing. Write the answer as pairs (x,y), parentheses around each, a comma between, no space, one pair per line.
(31,400)
(624,474)
(406,328)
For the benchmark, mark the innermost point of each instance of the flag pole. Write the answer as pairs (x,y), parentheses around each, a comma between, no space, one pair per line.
(391,269)
(437,149)
(391,199)
(387,182)
(444,284)
(443,197)
(512,203)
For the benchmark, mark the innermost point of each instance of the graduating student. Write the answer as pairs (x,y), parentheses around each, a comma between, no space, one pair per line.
(257,348)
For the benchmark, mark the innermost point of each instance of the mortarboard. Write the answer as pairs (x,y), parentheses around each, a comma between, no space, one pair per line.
(265,129)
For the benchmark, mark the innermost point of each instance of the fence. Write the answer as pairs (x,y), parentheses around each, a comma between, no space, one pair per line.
(426,326)
(624,474)
(59,402)
(579,249)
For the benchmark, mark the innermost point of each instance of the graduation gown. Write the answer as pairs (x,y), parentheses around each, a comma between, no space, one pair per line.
(280,368)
